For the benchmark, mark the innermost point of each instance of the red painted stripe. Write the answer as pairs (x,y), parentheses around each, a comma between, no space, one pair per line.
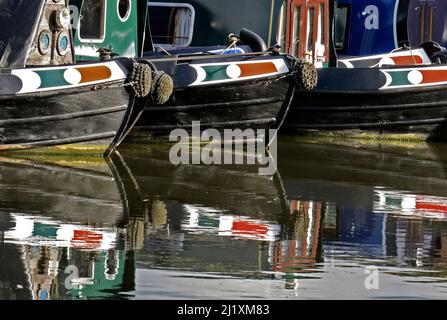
(257,69)
(433,76)
(431,207)
(249,227)
(86,239)
(407,60)
(96,73)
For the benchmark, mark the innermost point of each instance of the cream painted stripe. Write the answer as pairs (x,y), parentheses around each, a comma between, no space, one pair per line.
(201,74)
(275,61)
(234,80)
(281,66)
(31,80)
(389,79)
(414,86)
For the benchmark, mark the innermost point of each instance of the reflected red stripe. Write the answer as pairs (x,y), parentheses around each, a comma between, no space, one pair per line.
(244,226)
(431,207)
(86,239)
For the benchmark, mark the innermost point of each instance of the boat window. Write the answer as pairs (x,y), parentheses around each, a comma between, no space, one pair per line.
(171,24)
(341,27)
(92,20)
(322,18)
(282,28)
(297,26)
(124,9)
(310,29)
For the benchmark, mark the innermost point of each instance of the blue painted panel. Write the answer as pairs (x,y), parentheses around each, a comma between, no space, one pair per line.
(358,226)
(371,26)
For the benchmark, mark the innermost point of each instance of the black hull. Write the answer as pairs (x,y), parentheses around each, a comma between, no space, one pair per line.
(339,173)
(259,99)
(83,189)
(75,193)
(262,104)
(421,110)
(90,118)
(236,189)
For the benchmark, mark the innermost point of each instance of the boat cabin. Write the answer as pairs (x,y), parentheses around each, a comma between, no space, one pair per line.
(200,23)
(53,32)
(365,27)
(300,27)
(115,27)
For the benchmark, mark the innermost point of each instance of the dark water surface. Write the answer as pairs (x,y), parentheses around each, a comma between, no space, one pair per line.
(337,221)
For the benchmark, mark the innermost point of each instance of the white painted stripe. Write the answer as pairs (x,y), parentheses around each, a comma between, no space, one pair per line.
(415,77)
(201,75)
(280,65)
(31,80)
(389,79)
(233,71)
(72,76)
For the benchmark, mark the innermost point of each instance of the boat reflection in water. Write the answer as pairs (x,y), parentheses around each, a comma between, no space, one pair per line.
(58,214)
(134,226)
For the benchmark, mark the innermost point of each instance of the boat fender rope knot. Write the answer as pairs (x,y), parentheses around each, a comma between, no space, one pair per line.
(305,74)
(162,88)
(141,80)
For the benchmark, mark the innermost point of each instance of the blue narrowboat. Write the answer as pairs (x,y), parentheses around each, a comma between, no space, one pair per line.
(395,94)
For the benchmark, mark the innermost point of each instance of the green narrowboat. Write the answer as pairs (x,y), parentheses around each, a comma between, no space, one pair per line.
(47,97)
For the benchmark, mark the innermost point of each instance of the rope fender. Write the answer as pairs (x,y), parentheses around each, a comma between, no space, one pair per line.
(155,85)
(162,88)
(140,79)
(305,75)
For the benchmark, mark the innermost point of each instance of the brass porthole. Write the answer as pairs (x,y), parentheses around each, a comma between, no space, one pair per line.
(63,43)
(44,42)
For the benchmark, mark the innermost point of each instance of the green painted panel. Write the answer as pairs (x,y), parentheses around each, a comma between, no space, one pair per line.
(47,231)
(400,78)
(52,78)
(214,73)
(210,222)
(121,36)
(103,286)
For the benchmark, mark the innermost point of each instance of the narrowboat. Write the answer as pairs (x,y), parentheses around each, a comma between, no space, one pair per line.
(48,98)
(57,211)
(221,91)
(397,95)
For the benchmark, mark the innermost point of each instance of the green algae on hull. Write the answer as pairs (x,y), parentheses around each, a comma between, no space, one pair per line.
(362,136)
(89,150)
